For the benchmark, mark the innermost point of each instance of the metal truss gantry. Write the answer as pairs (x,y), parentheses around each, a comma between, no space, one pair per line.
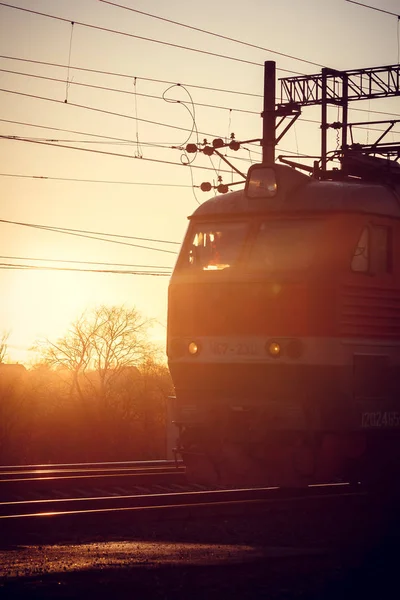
(330,87)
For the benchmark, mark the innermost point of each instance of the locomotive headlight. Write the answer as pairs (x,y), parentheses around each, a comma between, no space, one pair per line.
(193,348)
(261,182)
(274,349)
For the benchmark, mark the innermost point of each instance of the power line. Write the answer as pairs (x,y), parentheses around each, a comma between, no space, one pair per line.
(124,75)
(118,154)
(118,235)
(105,137)
(128,116)
(84,262)
(100,110)
(160,146)
(17,138)
(167,162)
(375,8)
(218,35)
(115,114)
(110,137)
(143,38)
(131,93)
(45,177)
(82,233)
(127,76)
(8,266)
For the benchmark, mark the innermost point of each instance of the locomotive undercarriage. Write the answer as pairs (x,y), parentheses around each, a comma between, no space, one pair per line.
(264,446)
(285,425)
(243,449)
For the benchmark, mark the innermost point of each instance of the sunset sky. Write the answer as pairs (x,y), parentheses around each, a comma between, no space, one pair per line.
(145,191)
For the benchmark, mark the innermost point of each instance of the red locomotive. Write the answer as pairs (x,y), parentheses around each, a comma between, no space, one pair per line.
(284,327)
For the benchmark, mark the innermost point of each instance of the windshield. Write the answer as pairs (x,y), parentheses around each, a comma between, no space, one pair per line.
(215,246)
(285,244)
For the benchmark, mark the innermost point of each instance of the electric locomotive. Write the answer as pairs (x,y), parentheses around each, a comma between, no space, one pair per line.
(284,330)
(284,306)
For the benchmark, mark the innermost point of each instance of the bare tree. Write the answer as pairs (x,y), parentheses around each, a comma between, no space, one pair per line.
(104,341)
(120,341)
(71,352)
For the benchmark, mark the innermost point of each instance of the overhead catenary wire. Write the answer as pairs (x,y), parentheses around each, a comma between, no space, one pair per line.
(117,114)
(177,147)
(133,93)
(91,108)
(129,76)
(118,235)
(96,135)
(10,266)
(140,37)
(127,141)
(129,92)
(125,75)
(112,113)
(82,106)
(105,181)
(159,146)
(218,35)
(95,236)
(103,152)
(85,262)
(60,143)
(103,111)
(381,10)
(120,155)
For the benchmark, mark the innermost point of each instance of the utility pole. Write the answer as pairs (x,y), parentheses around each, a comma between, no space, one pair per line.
(268,138)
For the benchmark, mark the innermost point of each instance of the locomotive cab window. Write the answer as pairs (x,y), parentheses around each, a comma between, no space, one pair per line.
(286,244)
(215,246)
(373,253)
(360,260)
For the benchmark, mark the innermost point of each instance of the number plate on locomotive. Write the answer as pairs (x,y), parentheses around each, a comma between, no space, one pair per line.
(234,348)
(380,419)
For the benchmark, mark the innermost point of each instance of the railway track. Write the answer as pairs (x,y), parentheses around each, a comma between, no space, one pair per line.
(40,482)
(206,498)
(43,500)
(49,503)
(25,472)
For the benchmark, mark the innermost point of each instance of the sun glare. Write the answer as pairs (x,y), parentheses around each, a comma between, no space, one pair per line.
(40,304)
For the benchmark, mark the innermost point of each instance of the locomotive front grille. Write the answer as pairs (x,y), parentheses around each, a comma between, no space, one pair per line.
(370,312)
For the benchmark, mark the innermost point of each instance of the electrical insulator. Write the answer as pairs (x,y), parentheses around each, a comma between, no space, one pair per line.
(208,150)
(191,148)
(222,188)
(205,186)
(234,145)
(218,143)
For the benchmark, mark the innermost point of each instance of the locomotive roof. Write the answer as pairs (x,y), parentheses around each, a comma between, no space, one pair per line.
(310,195)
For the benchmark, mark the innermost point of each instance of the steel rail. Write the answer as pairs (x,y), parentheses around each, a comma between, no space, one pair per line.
(112,504)
(106,467)
(91,474)
(86,485)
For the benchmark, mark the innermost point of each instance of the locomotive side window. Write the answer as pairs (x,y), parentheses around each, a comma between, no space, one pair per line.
(373,253)
(284,244)
(215,246)
(360,261)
